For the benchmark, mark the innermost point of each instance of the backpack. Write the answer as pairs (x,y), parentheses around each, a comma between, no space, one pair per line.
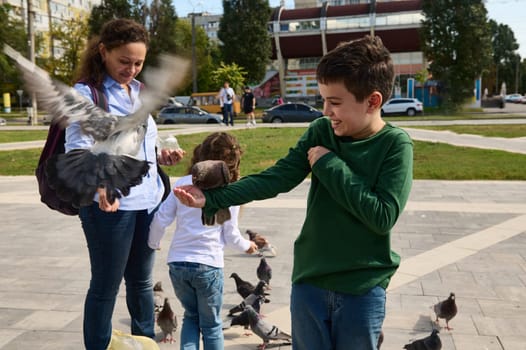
(55,140)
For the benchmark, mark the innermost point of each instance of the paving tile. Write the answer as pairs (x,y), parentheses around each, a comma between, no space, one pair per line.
(46,320)
(463,341)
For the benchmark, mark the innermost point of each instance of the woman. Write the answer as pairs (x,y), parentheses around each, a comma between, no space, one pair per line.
(117,233)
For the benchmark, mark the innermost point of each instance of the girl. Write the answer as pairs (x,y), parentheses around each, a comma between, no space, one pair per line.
(195,258)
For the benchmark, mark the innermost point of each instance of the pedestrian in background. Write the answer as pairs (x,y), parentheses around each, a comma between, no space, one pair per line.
(248,101)
(227,96)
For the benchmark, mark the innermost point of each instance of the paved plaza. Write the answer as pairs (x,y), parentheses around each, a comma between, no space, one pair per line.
(466,237)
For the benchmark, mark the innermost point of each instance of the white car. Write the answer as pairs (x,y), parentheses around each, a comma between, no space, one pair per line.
(514,98)
(406,106)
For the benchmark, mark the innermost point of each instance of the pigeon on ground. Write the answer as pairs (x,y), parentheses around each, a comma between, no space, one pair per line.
(265,330)
(158,296)
(446,309)
(167,322)
(262,243)
(380,340)
(111,163)
(244,288)
(264,272)
(208,174)
(431,342)
(254,299)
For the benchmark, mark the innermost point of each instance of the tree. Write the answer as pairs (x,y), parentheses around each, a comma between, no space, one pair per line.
(162,29)
(71,38)
(243,32)
(107,10)
(505,58)
(456,41)
(232,73)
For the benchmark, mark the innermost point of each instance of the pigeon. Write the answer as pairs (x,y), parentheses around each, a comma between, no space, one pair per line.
(431,342)
(158,296)
(255,299)
(265,330)
(264,271)
(111,162)
(244,288)
(262,243)
(167,322)
(380,340)
(446,309)
(208,174)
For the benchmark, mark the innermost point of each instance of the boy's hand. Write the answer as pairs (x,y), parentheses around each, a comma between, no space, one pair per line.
(171,156)
(190,196)
(316,153)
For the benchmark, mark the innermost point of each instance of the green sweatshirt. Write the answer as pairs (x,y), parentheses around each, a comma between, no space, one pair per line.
(357,192)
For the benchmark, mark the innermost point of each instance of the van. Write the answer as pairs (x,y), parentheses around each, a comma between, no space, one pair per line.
(209,101)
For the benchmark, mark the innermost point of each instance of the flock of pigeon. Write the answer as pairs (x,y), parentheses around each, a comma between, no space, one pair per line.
(246,314)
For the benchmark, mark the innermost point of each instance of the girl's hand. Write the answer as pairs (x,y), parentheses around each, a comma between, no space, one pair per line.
(253,248)
(104,204)
(190,196)
(171,156)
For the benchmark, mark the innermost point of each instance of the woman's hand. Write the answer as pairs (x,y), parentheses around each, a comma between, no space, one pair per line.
(169,156)
(253,248)
(190,196)
(104,204)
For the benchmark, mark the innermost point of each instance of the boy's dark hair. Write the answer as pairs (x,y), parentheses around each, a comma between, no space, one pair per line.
(219,146)
(114,33)
(363,65)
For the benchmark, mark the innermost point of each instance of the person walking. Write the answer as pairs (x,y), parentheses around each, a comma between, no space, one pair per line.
(227,96)
(248,101)
(195,256)
(361,175)
(117,233)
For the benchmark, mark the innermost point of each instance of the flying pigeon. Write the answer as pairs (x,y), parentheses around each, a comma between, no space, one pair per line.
(111,163)
(265,330)
(254,299)
(446,309)
(209,174)
(158,296)
(264,271)
(244,288)
(262,243)
(431,342)
(167,322)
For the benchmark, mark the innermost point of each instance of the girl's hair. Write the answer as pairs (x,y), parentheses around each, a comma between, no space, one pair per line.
(114,33)
(219,146)
(363,65)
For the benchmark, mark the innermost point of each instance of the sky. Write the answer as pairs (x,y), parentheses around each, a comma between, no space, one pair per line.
(510,12)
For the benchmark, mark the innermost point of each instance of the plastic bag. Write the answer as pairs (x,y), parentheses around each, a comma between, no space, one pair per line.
(123,341)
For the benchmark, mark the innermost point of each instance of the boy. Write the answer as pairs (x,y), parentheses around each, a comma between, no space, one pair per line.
(361,170)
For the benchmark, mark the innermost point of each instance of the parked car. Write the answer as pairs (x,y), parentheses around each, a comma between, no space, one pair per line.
(3,121)
(514,98)
(403,106)
(291,112)
(186,115)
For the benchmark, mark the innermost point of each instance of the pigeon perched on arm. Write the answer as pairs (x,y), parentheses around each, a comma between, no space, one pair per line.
(446,309)
(167,322)
(265,330)
(264,271)
(262,243)
(209,174)
(111,162)
(431,342)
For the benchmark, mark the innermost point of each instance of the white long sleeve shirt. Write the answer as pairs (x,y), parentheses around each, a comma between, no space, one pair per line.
(192,241)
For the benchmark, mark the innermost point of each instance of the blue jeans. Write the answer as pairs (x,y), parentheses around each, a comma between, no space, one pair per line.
(228,114)
(326,320)
(199,288)
(117,244)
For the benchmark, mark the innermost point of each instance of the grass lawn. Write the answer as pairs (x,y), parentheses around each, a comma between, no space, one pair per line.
(263,146)
(496,130)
